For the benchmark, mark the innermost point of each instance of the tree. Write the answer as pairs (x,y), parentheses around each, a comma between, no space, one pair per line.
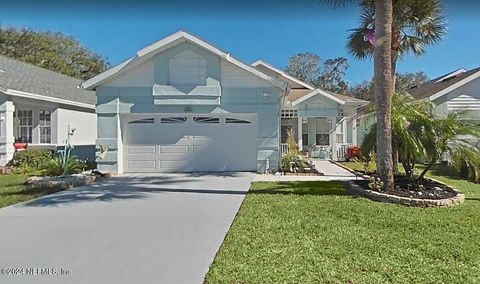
(418,134)
(363,91)
(415,25)
(408,80)
(388,32)
(53,51)
(332,77)
(329,76)
(403,83)
(384,88)
(305,67)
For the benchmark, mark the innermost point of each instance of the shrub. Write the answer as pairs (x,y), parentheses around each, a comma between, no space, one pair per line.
(56,166)
(368,163)
(293,160)
(29,161)
(352,152)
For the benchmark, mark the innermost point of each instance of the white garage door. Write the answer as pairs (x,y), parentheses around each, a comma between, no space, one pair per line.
(190,143)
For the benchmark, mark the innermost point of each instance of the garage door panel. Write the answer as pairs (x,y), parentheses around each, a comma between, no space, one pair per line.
(141,165)
(166,149)
(171,164)
(141,149)
(193,145)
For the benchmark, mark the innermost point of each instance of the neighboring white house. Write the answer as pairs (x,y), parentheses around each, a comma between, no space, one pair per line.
(36,107)
(183,105)
(455,92)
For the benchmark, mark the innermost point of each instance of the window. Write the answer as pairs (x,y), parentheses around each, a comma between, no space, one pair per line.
(206,119)
(24,126)
(288,113)
(322,139)
(45,126)
(174,119)
(142,121)
(187,69)
(235,120)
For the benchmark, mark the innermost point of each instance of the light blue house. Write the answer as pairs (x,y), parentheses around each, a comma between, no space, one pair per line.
(183,105)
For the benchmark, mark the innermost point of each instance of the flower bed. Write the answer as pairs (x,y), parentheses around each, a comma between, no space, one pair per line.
(433,194)
(65,182)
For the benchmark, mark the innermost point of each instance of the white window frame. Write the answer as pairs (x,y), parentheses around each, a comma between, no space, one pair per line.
(28,126)
(47,125)
(288,113)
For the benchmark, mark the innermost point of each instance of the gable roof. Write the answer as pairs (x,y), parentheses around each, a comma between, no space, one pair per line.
(306,91)
(170,41)
(25,80)
(442,85)
(298,96)
(285,76)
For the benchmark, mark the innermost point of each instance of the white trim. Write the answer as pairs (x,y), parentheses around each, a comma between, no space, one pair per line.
(168,42)
(451,74)
(317,92)
(454,86)
(27,95)
(283,74)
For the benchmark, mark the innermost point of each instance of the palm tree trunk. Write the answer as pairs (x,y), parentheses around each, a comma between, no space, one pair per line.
(424,172)
(384,90)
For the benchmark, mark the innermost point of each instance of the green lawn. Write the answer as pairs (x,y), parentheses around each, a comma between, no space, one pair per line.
(312,232)
(13,191)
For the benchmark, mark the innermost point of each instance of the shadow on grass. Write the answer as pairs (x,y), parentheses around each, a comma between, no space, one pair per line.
(299,188)
(33,191)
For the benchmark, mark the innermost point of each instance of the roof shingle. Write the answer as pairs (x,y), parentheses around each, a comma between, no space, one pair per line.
(20,76)
(436,85)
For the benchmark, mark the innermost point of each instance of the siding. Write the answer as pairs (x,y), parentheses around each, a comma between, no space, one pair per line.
(242,92)
(463,99)
(84,124)
(232,76)
(141,76)
(464,102)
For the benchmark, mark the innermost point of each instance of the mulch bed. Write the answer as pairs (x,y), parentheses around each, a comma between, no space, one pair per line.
(428,189)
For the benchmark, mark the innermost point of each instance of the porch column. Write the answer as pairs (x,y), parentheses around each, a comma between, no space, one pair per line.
(7,137)
(299,133)
(354,131)
(333,137)
(344,129)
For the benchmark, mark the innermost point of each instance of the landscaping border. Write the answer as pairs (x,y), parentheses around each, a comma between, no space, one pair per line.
(357,190)
(65,182)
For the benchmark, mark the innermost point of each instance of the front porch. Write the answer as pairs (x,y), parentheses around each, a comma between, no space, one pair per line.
(320,137)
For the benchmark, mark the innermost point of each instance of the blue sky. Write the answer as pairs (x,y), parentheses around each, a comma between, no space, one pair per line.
(250,30)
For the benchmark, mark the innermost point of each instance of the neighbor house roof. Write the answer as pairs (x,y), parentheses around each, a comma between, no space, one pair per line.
(172,40)
(305,91)
(25,80)
(442,85)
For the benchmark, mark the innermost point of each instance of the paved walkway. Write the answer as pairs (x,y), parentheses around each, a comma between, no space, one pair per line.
(330,171)
(127,229)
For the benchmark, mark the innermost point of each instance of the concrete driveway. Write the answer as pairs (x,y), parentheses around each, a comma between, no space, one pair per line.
(128,229)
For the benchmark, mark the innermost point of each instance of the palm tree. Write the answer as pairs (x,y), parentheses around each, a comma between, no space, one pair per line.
(389,29)
(418,134)
(384,88)
(411,130)
(416,25)
(456,138)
